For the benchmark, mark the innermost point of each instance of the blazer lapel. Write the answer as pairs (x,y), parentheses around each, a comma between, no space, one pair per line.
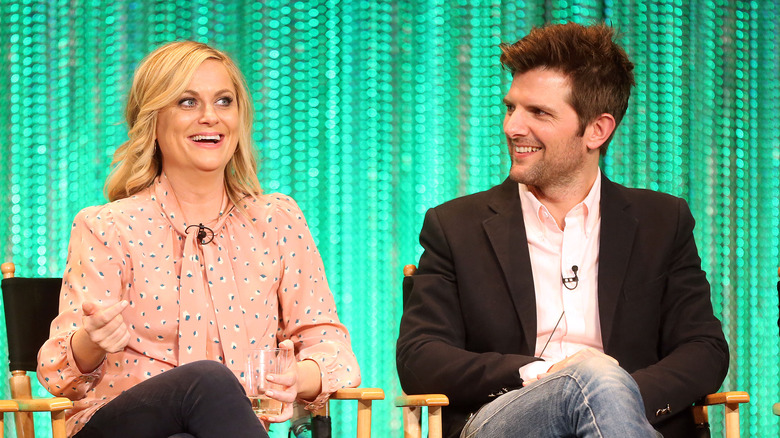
(506,231)
(617,236)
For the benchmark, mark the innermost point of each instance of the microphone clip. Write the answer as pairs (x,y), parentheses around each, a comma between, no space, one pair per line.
(567,281)
(205,234)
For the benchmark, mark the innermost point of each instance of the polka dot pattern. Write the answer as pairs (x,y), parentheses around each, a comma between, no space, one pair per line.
(260,281)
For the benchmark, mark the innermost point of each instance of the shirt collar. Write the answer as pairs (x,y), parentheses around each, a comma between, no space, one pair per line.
(590,206)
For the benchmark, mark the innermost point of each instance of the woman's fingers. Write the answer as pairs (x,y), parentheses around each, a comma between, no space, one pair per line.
(105,326)
(287,412)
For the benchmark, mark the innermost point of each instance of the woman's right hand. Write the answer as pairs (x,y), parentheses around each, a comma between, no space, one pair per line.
(103,330)
(105,326)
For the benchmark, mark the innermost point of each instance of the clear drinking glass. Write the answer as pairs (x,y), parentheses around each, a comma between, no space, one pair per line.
(260,363)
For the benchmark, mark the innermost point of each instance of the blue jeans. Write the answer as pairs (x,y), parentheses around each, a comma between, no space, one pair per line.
(201,399)
(592,398)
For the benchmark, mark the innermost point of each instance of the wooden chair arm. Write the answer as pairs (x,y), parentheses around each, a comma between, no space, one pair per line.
(358,394)
(722,398)
(405,401)
(8,406)
(43,404)
(731,400)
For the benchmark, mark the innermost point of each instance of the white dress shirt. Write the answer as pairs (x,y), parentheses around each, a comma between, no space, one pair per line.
(567,321)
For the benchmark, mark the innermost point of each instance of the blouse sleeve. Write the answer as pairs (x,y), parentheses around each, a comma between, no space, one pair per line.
(307,309)
(93,272)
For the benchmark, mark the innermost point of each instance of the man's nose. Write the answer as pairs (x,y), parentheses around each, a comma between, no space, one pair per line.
(515,124)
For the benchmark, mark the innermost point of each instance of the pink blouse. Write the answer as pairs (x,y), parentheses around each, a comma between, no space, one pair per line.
(259,281)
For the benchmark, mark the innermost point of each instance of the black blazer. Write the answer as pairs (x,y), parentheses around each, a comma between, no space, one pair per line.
(469,323)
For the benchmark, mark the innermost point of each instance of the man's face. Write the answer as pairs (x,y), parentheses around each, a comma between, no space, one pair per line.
(541,130)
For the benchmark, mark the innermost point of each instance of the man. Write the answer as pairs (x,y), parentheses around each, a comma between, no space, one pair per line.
(560,303)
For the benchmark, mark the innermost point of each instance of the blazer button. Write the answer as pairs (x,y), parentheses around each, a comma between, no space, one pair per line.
(664,411)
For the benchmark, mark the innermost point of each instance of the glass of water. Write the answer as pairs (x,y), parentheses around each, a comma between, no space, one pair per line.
(260,363)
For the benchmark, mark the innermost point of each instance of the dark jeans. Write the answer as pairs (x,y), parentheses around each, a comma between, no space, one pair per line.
(203,399)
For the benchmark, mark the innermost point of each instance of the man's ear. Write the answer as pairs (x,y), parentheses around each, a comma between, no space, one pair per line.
(599,130)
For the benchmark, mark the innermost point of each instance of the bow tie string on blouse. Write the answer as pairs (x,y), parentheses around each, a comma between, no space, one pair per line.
(206,276)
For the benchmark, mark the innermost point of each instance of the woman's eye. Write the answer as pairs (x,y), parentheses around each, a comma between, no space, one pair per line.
(187,102)
(225,101)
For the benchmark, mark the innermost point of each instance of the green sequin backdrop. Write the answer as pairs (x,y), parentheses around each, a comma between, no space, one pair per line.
(368,113)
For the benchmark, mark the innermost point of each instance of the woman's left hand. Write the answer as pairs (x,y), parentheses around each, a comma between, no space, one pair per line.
(285,388)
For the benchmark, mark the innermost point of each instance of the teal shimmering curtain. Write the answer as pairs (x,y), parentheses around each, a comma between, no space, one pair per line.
(368,113)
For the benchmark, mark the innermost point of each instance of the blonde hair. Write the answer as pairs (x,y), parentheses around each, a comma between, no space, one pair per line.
(160,79)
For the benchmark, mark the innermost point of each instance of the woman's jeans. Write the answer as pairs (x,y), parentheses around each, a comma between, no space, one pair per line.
(203,399)
(592,398)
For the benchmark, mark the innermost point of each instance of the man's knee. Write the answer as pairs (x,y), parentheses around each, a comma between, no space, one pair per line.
(604,372)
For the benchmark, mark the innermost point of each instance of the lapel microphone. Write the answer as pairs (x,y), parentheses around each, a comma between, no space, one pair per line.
(202,234)
(567,281)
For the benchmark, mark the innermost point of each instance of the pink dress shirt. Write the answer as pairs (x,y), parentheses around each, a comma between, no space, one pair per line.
(259,281)
(553,253)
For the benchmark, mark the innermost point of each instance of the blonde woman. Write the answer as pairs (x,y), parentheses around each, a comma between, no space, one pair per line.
(185,268)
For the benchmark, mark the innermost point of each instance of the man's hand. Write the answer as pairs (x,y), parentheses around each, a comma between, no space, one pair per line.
(579,356)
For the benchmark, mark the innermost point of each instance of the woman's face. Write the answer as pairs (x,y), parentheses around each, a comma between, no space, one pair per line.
(198,132)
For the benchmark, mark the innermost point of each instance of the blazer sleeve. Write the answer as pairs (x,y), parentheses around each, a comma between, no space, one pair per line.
(432,355)
(693,353)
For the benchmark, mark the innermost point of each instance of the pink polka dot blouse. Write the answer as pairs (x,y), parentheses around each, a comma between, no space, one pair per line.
(260,280)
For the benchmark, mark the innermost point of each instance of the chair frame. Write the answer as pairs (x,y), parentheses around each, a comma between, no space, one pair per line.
(23,405)
(731,401)
(412,405)
(21,393)
(412,413)
(412,419)
(364,397)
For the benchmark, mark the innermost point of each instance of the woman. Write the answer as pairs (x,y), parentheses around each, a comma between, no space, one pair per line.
(189,262)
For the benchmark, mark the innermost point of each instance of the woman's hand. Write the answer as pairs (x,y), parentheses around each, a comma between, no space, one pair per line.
(103,330)
(285,386)
(301,381)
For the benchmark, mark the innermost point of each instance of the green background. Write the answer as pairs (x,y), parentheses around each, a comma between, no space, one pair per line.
(368,113)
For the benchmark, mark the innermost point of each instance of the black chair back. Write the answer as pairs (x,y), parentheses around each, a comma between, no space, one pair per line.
(30,306)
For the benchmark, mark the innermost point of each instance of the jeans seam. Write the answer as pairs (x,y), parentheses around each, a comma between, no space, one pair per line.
(499,409)
(587,404)
(551,378)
